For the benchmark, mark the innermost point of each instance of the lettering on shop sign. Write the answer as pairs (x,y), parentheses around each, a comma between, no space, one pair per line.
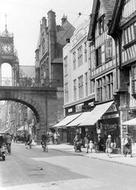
(110,116)
(110,127)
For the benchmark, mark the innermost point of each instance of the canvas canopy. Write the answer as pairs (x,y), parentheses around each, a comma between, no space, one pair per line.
(130,122)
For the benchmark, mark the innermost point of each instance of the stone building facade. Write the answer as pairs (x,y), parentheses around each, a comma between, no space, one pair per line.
(49,60)
(48,55)
(90,100)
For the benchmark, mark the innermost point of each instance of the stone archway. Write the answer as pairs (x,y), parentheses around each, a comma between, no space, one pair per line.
(42,101)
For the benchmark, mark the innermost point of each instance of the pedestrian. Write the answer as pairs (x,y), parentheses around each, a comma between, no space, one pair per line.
(91,144)
(8,140)
(127,145)
(87,142)
(28,143)
(77,142)
(101,144)
(56,135)
(44,141)
(109,146)
(1,140)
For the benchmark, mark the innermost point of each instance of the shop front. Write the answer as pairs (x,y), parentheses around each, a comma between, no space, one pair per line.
(99,123)
(61,127)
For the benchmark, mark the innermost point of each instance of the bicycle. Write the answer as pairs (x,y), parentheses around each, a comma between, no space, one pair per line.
(44,146)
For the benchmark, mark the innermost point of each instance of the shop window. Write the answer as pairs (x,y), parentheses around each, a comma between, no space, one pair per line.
(66,92)
(108,49)
(110,86)
(86,84)
(74,60)
(98,57)
(65,65)
(134,80)
(75,89)
(92,86)
(80,87)
(101,25)
(85,51)
(105,88)
(99,90)
(129,35)
(80,56)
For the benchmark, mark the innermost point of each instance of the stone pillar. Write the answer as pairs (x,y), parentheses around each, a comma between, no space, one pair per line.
(13,76)
(42,126)
(123,109)
(123,129)
(0,76)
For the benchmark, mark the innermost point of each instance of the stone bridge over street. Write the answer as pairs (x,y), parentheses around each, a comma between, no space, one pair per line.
(43,101)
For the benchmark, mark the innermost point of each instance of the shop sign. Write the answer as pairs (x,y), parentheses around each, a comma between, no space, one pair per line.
(91,104)
(110,127)
(79,107)
(110,116)
(70,110)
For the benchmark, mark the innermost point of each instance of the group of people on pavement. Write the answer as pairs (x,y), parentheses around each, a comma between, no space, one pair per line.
(108,146)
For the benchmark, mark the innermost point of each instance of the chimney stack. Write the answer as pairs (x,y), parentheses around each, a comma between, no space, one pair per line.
(52,34)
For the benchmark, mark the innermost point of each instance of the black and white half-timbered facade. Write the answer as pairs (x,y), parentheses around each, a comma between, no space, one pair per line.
(123,29)
(103,69)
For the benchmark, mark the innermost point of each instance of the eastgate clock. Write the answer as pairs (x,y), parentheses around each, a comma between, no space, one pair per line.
(7,48)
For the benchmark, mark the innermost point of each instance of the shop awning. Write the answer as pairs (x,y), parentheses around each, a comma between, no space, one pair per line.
(130,122)
(90,118)
(67,120)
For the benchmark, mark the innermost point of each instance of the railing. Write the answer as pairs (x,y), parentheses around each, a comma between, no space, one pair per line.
(30,82)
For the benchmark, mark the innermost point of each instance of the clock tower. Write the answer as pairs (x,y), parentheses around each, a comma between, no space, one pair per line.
(8,55)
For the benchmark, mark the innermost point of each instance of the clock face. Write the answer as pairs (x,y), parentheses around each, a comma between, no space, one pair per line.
(7,48)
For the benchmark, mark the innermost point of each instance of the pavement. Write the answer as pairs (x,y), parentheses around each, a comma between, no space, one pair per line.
(116,158)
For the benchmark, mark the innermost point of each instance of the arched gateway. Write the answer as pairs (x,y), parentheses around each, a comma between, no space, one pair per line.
(45,102)
(42,101)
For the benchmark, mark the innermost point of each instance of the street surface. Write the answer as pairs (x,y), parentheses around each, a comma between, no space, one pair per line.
(58,170)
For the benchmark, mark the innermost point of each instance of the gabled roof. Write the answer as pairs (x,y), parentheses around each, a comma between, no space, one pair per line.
(93,18)
(108,8)
(117,12)
(65,31)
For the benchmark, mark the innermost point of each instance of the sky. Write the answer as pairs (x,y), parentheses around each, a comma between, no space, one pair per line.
(24,16)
